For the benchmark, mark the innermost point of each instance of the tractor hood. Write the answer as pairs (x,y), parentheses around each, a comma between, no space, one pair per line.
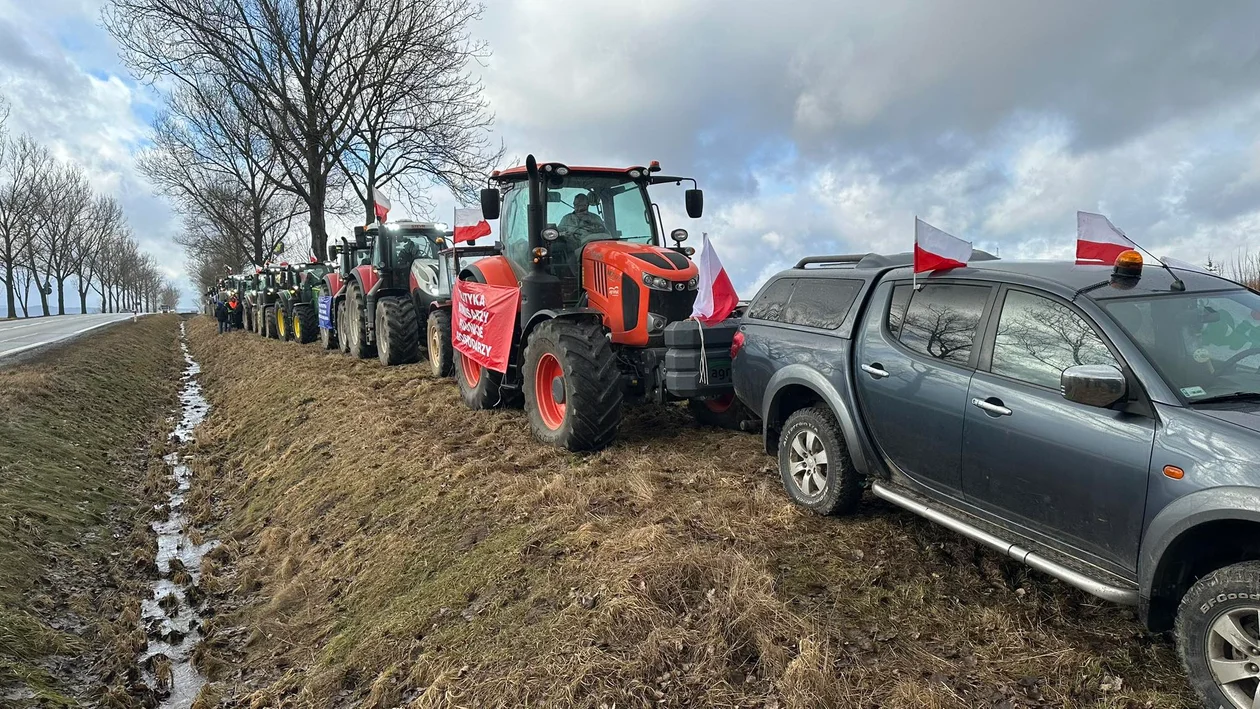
(628,257)
(424,277)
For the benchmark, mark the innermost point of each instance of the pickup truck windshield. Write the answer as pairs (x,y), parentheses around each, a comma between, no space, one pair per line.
(1206,345)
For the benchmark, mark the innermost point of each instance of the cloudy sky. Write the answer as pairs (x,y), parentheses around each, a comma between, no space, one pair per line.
(814,126)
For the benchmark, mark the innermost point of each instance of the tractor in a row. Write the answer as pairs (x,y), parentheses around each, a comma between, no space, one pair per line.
(604,303)
(295,309)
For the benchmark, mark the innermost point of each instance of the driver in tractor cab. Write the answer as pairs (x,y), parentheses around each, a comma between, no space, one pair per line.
(581,223)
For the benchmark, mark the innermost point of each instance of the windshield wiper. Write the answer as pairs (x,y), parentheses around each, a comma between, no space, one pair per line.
(1236,396)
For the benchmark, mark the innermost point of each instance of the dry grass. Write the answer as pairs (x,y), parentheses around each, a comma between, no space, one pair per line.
(75,424)
(394,548)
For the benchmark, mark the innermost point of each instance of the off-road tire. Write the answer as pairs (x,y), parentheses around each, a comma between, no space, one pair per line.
(269,323)
(397,333)
(284,326)
(842,490)
(1230,588)
(356,342)
(305,323)
(343,342)
(720,413)
(485,393)
(441,351)
(588,417)
(248,315)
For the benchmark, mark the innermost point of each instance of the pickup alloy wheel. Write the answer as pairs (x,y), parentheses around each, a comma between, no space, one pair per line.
(1218,636)
(814,463)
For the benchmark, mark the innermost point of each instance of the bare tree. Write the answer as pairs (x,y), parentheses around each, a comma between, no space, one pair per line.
(61,225)
(168,297)
(105,222)
(21,191)
(298,70)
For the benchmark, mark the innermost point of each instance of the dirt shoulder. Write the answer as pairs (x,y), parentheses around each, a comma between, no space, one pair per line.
(384,546)
(79,472)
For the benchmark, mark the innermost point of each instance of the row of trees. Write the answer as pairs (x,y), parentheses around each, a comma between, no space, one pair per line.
(283,110)
(59,239)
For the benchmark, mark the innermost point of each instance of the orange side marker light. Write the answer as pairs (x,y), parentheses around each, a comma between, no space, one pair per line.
(1174,472)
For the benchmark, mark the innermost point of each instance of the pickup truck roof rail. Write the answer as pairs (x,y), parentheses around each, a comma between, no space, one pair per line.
(874,260)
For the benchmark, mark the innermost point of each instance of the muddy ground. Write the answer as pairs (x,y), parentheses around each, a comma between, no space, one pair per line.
(384,546)
(82,429)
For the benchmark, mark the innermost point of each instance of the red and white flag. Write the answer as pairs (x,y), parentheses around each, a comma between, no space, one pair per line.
(934,250)
(715,296)
(469,225)
(1098,241)
(382,204)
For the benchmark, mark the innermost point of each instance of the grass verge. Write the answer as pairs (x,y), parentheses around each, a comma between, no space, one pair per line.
(388,547)
(75,425)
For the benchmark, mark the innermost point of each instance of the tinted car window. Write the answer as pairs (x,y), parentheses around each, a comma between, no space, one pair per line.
(897,309)
(942,318)
(770,303)
(1038,338)
(820,302)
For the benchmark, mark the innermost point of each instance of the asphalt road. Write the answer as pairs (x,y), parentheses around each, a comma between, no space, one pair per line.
(23,335)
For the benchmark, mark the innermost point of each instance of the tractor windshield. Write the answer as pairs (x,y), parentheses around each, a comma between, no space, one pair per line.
(592,207)
(413,245)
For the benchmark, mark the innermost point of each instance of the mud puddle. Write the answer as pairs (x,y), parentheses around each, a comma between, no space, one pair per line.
(172,615)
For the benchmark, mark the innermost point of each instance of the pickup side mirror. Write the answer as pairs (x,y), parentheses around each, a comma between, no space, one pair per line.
(695,203)
(1098,385)
(490,203)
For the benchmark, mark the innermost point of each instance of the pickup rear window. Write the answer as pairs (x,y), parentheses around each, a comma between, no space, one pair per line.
(813,302)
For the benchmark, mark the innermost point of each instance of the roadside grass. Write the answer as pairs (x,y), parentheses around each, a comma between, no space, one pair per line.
(73,425)
(388,547)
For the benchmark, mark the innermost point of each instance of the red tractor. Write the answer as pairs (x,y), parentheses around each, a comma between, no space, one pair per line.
(604,303)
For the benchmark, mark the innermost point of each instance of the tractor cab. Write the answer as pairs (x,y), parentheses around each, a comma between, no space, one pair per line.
(592,237)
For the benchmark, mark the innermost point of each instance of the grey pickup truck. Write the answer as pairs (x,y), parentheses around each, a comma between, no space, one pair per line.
(1098,423)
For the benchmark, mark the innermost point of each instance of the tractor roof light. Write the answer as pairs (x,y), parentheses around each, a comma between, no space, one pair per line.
(561,170)
(550,233)
(679,235)
(635,174)
(654,166)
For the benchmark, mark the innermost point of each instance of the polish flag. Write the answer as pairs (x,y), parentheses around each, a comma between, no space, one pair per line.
(1098,241)
(934,250)
(382,204)
(469,225)
(715,296)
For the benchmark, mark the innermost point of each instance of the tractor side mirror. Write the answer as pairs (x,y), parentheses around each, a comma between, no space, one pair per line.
(695,203)
(490,203)
(360,237)
(333,250)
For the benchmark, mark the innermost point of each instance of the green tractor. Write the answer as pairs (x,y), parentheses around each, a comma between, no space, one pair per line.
(261,302)
(298,287)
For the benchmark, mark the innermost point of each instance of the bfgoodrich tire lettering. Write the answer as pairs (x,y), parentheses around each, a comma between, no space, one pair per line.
(1218,636)
(814,463)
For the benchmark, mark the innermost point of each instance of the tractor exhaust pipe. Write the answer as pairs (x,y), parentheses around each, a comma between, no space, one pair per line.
(540,290)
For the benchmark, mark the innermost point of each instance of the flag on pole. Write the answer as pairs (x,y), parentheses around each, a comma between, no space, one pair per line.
(1098,241)
(469,225)
(381,203)
(934,250)
(715,296)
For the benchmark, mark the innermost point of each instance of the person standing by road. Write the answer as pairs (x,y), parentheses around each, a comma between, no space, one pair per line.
(221,313)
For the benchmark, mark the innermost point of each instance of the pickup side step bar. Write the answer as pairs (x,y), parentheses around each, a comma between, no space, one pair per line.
(1123,596)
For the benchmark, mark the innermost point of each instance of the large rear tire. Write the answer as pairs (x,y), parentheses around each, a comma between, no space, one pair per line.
(572,385)
(441,351)
(397,334)
(305,323)
(355,330)
(269,322)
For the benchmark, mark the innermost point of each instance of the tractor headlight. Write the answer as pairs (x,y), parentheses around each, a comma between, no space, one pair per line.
(562,170)
(679,235)
(634,174)
(655,282)
(550,234)
(693,283)
(271,290)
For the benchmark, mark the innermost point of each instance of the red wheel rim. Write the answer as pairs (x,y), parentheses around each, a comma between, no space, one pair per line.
(721,404)
(548,371)
(471,370)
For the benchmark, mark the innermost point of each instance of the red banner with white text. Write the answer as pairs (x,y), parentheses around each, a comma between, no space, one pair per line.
(483,320)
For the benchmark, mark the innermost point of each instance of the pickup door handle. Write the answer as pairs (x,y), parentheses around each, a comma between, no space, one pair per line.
(875,370)
(991,406)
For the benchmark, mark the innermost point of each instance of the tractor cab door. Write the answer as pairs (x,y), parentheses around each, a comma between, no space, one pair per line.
(514,234)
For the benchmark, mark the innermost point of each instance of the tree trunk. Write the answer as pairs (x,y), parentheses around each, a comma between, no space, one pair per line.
(61,296)
(82,302)
(9,292)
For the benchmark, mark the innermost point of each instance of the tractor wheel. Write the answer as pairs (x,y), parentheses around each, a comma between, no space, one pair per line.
(397,334)
(269,322)
(343,339)
(305,323)
(356,342)
(248,317)
(282,324)
(480,388)
(572,385)
(722,412)
(441,353)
